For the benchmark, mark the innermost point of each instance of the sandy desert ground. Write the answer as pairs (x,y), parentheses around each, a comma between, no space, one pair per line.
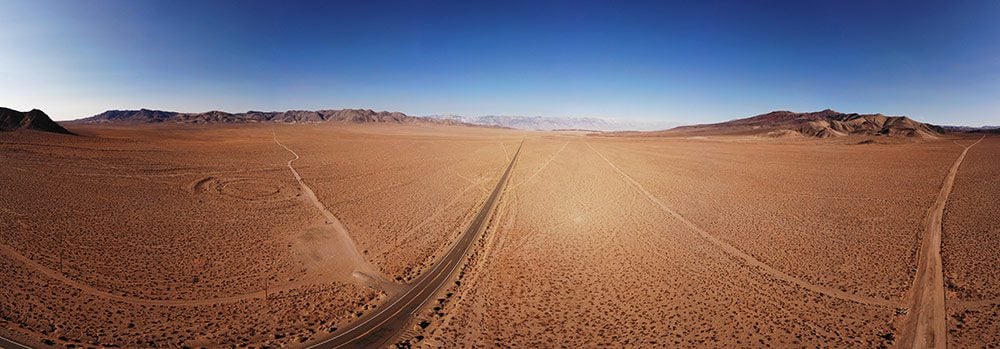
(199,235)
(970,249)
(701,242)
(170,235)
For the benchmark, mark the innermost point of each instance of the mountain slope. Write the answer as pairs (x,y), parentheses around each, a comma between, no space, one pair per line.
(821,124)
(13,120)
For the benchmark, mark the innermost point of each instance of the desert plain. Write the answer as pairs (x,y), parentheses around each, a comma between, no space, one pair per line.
(280,234)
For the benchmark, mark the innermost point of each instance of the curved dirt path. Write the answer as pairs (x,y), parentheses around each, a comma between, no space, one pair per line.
(747,258)
(924,325)
(362,270)
(367,274)
(376,328)
(9,252)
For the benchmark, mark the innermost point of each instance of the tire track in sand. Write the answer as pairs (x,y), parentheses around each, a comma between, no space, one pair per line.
(924,325)
(365,268)
(9,252)
(747,258)
(388,321)
(539,170)
(437,213)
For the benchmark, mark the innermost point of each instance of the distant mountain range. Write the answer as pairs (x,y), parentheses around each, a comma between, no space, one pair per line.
(969,129)
(553,123)
(369,116)
(821,124)
(341,116)
(13,120)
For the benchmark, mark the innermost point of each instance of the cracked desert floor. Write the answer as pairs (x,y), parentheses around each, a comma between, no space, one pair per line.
(158,235)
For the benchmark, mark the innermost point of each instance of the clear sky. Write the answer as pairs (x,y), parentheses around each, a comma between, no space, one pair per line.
(701,61)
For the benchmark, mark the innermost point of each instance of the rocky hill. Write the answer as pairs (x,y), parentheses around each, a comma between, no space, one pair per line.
(13,120)
(821,124)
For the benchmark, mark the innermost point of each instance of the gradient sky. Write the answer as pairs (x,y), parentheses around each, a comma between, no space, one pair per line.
(703,61)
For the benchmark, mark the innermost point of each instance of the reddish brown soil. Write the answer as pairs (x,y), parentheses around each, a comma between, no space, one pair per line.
(969,248)
(174,235)
(171,235)
(693,242)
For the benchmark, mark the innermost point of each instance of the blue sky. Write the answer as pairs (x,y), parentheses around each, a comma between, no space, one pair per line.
(686,62)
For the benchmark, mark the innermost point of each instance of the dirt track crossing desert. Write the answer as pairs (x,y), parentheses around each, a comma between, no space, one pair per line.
(383,325)
(320,174)
(350,258)
(430,236)
(750,260)
(925,323)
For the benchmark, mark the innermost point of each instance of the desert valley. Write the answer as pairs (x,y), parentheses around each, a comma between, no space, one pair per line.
(511,174)
(353,227)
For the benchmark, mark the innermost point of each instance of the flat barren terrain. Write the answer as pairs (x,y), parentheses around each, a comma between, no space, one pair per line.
(970,250)
(143,236)
(412,191)
(195,235)
(836,214)
(706,242)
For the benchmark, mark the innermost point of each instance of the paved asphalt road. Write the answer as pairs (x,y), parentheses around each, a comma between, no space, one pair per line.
(382,325)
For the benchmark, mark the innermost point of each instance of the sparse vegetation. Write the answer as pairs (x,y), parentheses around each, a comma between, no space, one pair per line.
(577,252)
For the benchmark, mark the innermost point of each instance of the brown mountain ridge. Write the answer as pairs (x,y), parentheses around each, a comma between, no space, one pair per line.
(341,115)
(821,124)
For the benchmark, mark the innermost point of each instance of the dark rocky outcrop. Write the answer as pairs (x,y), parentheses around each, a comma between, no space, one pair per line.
(13,120)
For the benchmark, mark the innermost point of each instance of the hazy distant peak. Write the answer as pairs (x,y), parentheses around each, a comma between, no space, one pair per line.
(548,123)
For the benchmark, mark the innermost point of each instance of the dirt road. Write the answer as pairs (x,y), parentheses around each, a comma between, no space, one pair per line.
(735,252)
(377,328)
(348,250)
(924,325)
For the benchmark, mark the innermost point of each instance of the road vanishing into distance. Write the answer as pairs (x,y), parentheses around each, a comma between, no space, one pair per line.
(925,325)
(382,325)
